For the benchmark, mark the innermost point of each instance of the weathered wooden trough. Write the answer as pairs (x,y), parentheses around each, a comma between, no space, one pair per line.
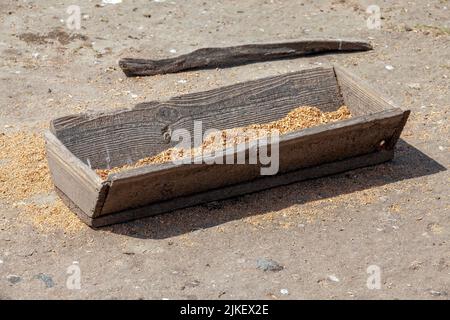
(79,144)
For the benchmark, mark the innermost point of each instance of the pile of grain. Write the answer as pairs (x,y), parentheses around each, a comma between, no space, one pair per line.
(25,181)
(299,118)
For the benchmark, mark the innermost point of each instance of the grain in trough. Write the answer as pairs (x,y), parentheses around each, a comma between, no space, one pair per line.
(78,145)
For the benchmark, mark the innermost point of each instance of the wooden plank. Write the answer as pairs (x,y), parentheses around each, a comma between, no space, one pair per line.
(235,190)
(237,55)
(358,94)
(126,136)
(74,178)
(305,148)
(360,98)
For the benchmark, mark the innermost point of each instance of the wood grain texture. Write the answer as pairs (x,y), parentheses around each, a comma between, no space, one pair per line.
(237,55)
(305,148)
(74,178)
(232,191)
(128,135)
(358,94)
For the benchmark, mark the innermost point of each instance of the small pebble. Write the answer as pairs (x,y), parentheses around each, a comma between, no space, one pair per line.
(438,293)
(268,265)
(441,148)
(333,278)
(111,1)
(173,51)
(13,278)
(46,279)
(415,86)
(389,67)
(284,291)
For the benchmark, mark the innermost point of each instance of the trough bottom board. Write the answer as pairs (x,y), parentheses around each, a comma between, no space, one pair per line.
(259,184)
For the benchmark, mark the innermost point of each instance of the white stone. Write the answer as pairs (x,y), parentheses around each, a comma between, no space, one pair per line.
(333,278)
(111,1)
(414,86)
(284,291)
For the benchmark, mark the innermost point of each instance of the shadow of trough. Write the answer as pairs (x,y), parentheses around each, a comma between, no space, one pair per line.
(408,163)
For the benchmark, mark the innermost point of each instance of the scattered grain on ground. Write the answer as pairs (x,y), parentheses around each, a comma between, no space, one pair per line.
(24,175)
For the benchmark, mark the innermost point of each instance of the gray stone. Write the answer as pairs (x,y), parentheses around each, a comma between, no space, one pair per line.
(13,278)
(437,293)
(47,279)
(268,265)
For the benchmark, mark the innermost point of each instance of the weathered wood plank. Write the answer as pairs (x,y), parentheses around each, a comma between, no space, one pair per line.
(237,55)
(358,94)
(306,148)
(235,190)
(362,98)
(74,178)
(128,135)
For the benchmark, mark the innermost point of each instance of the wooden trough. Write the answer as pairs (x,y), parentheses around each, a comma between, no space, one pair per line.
(79,144)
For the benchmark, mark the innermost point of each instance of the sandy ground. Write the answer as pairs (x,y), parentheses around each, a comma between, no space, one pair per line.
(324,232)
